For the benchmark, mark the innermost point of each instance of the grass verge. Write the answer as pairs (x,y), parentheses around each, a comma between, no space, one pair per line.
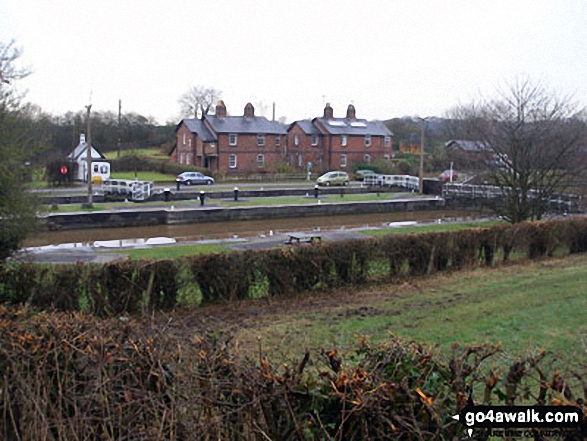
(538,304)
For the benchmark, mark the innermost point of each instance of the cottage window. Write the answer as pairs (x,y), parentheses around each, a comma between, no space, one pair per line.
(387,141)
(181,158)
(342,160)
(296,140)
(188,158)
(386,157)
(232,139)
(277,141)
(184,138)
(343,140)
(261,140)
(261,160)
(314,140)
(300,160)
(367,159)
(367,140)
(232,161)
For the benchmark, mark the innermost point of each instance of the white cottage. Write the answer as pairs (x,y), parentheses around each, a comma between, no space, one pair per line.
(100,166)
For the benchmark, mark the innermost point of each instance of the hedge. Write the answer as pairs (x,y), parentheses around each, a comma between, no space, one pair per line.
(72,376)
(128,287)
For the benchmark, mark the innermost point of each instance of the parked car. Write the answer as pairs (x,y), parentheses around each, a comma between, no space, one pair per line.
(194,178)
(361,174)
(333,178)
(446,176)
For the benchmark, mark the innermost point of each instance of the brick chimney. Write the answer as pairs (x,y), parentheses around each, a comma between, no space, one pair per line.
(249,111)
(220,110)
(350,113)
(328,112)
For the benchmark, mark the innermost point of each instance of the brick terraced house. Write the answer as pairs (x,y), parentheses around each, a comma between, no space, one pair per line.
(337,143)
(249,143)
(230,144)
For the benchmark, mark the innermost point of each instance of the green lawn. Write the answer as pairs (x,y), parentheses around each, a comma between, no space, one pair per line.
(171,252)
(144,176)
(535,305)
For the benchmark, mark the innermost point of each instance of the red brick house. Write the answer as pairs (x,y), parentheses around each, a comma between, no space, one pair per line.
(230,144)
(337,143)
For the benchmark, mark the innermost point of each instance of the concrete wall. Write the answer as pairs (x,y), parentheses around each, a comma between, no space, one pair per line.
(154,216)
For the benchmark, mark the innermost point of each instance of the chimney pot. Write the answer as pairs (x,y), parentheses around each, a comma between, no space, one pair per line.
(350,113)
(220,109)
(328,112)
(249,111)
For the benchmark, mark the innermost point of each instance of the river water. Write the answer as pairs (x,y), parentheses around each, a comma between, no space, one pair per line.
(226,230)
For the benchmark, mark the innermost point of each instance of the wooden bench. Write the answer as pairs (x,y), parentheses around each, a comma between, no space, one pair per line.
(297,238)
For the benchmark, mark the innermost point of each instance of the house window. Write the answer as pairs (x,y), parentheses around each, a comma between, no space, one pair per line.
(95,168)
(300,160)
(386,157)
(232,161)
(182,158)
(314,140)
(387,141)
(343,140)
(188,158)
(367,159)
(190,142)
(296,140)
(342,161)
(104,169)
(367,140)
(232,139)
(261,160)
(261,140)
(184,138)
(277,141)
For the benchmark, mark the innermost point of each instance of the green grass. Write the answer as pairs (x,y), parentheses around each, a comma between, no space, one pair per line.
(171,252)
(144,176)
(151,153)
(537,305)
(431,228)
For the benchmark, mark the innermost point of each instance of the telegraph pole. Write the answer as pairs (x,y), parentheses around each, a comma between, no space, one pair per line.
(421,171)
(119,112)
(89,156)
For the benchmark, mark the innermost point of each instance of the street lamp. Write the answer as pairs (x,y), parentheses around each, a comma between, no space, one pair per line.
(89,157)
(421,170)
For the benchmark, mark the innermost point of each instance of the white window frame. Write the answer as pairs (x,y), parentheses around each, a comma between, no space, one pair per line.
(232,139)
(314,140)
(184,138)
(232,161)
(260,140)
(300,161)
(188,158)
(367,159)
(343,161)
(296,140)
(260,160)
(367,140)
(181,158)
(277,141)
(387,141)
(343,140)
(386,157)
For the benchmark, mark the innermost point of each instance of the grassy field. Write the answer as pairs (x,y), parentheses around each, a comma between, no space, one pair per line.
(144,176)
(172,252)
(524,306)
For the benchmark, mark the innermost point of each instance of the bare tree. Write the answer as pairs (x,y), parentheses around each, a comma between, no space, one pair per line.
(10,71)
(537,139)
(198,101)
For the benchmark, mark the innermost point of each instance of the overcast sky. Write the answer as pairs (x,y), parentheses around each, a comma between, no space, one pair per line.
(389,58)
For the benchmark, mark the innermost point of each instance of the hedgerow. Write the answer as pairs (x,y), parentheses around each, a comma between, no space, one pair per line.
(73,376)
(128,287)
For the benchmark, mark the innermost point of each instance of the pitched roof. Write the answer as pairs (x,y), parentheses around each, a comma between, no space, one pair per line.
(241,124)
(198,127)
(307,127)
(80,151)
(354,127)
(469,146)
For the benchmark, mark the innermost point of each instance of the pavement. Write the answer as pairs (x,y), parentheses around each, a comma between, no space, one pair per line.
(68,254)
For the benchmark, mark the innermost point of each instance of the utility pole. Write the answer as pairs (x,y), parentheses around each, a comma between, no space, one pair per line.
(421,171)
(119,114)
(89,156)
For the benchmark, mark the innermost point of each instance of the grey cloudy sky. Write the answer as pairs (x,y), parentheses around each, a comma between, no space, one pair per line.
(390,58)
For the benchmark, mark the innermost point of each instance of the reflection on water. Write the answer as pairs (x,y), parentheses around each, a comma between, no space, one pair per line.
(136,236)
